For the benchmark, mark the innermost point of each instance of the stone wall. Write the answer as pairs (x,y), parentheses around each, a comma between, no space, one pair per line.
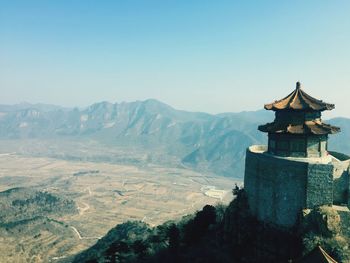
(279,188)
(340,182)
(275,187)
(319,188)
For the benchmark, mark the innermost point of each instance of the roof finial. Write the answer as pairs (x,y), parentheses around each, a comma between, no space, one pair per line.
(298,85)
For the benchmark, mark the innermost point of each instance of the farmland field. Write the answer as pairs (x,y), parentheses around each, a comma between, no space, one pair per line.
(104,194)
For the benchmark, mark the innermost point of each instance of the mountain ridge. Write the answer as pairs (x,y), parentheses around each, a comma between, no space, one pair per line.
(195,139)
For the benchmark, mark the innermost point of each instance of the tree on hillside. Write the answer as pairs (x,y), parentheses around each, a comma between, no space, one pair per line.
(198,226)
(174,238)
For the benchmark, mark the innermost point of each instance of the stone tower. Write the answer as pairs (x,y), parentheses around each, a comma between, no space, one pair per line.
(295,171)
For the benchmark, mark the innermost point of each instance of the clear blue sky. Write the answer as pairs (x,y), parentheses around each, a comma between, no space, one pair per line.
(213,56)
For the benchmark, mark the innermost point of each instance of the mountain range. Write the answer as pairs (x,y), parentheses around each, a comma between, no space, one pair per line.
(211,143)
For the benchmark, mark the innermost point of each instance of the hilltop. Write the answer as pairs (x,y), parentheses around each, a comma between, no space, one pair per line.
(19,204)
(31,226)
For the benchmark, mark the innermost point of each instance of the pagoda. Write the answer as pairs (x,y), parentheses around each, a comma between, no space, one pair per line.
(295,171)
(298,130)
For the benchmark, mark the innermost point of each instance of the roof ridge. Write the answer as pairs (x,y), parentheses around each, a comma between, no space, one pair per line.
(294,96)
(277,101)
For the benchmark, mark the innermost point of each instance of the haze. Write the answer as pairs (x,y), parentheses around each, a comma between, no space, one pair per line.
(195,55)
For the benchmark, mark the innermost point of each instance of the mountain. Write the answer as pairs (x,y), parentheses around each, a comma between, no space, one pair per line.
(340,142)
(210,143)
(26,105)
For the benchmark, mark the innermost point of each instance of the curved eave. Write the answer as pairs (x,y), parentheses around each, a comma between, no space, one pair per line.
(310,127)
(274,108)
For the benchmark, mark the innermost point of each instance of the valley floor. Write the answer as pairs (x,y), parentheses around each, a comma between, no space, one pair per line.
(105,195)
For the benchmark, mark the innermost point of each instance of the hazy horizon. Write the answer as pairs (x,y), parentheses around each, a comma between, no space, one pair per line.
(325,115)
(210,56)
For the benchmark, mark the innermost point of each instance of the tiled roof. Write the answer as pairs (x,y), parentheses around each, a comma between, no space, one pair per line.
(299,100)
(309,127)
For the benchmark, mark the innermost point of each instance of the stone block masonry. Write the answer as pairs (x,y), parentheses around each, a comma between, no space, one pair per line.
(319,187)
(275,188)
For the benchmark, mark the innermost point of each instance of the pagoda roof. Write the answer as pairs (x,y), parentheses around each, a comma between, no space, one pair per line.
(299,100)
(315,127)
